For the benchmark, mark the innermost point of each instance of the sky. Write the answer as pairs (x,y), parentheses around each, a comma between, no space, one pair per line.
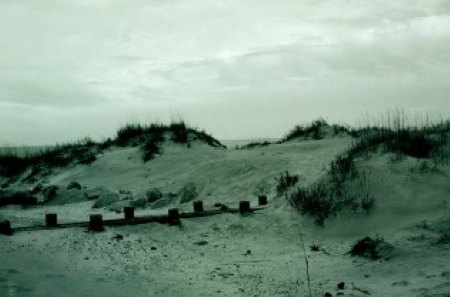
(238,69)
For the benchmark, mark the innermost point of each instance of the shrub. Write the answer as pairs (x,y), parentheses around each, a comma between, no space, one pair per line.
(286,181)
(373,249)
(313,201)
(315,247)
(341,169)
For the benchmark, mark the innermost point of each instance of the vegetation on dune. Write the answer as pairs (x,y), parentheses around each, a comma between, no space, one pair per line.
(82,152)
(254,144)
(318,129)
(286,181)
(371,248)
(345,188)
(150,137)
(147,137)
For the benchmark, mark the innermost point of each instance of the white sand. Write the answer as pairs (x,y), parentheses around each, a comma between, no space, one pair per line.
(72,262)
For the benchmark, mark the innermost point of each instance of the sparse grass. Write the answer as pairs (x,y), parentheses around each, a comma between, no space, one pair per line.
(152,143)
(335,192)
(286,181)
(180,133)
(316,130)
(128,133)
(424,142)
(314,201)
(313,131)
(342,169)
(255,145)
(82,152)
(147,137)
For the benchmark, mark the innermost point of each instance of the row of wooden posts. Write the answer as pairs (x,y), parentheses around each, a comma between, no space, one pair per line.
(96,220)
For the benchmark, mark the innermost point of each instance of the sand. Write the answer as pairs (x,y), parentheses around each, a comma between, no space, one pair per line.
(230,254)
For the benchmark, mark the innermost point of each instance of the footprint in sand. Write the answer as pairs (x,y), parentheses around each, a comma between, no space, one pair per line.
(12,271)
(446,274)
(445,286)
(400,284)
(55,275)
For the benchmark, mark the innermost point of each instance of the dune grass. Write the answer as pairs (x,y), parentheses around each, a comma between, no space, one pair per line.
(330,195)
(147,137)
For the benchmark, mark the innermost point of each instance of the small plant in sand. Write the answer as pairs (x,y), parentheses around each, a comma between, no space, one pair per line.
(286,181)
(371,248)
(313,201)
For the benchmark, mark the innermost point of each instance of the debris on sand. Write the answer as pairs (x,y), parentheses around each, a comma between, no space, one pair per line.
(373,249)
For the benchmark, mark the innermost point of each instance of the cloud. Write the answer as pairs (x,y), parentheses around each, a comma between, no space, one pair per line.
(213,61)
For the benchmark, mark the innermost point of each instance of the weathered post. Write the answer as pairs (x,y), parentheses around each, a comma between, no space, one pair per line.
(198,206)
(51,219)
(174,217)
(128,212)
(244,206)
(262,200)
(96,223)
(5,228)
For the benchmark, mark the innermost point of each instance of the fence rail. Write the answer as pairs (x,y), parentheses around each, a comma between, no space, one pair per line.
(96,222)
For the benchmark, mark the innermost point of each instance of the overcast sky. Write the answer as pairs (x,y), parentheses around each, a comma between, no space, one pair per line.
(237,68)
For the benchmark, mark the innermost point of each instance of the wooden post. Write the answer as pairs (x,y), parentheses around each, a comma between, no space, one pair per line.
(129,212)
(262,200)
(198,206)
(96,223)
(244,206)
(51,219)
(5,228)
(174,217)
